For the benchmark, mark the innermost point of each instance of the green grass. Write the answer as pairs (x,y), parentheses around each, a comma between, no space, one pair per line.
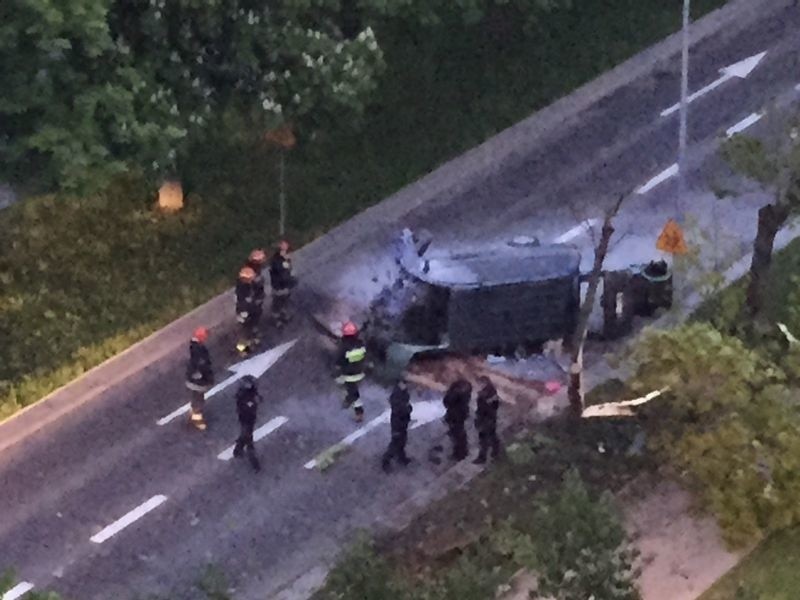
(770,572)
(82,278)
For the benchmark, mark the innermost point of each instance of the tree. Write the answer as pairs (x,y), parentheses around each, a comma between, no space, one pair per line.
(728,423)
(773,163)
(580,549)
(120,85)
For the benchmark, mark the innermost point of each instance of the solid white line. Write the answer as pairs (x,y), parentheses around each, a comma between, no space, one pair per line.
(575,231)
(136,514)
(660,178)
(348,441)
(18,591)
(258,434)
(744,124)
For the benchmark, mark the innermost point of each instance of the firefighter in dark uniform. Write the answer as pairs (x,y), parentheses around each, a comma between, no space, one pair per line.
(199,376)
(486,420)
(282,282)
(248,311)
(256,261)
(456,404)
(400,404)
(352,353)
(247,400)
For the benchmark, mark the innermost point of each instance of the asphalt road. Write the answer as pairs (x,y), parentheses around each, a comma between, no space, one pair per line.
(70,480)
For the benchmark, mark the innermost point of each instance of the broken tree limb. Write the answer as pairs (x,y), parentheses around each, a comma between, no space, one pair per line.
(620,409)
(575,389)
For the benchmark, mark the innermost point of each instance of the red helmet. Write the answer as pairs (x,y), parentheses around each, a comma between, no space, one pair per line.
(200,334)
(349,329)
(258,257)
(247,274)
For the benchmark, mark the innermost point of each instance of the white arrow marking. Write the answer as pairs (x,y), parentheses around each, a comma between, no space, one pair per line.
(751,119)
(255,366)
(133,516)
(426,412)
(258,434)
(18,591)
(350,439)
(658,179)
(741,69)
(575,231)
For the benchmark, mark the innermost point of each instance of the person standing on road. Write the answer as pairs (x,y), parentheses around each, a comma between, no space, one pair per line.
(199,376)
(282,282)
(486,420)
(456,404)
(248,311)
(247,400)
(352,353)
(400,404)
(256,261)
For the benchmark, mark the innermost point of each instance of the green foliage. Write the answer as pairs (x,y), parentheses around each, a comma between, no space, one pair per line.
(728,422)
(578,546)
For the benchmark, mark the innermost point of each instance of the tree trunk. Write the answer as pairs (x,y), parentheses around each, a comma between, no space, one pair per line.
(770,219)
(575,388)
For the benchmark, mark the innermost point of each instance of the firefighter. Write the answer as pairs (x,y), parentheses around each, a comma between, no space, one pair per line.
(401,416)
(282,282)
(199,376)
(248,311)
(486,420)
(256,261)
(456,404)
(247,400)
(351,367)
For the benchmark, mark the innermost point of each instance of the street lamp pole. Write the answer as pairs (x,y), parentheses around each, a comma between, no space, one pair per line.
(679,201)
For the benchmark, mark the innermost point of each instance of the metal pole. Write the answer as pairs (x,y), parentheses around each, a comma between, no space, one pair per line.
(679,201)
(282,193)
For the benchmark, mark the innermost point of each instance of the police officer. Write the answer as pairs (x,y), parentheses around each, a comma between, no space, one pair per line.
(486,420)
(456,404)
(248,310)
(282,281)
(351,366)
(247,400)
(401,417)
(199,376)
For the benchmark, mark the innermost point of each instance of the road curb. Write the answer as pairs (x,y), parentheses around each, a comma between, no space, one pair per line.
(443,183)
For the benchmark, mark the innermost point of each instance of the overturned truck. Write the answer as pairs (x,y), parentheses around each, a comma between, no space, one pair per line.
(492,299)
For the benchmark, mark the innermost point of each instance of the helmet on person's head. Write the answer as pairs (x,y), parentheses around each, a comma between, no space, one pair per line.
(247,274)
(249,382)
(200,335)
(258,257)
(349,329)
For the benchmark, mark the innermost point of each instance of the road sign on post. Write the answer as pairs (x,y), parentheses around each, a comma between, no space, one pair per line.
(671,239)
(283,138)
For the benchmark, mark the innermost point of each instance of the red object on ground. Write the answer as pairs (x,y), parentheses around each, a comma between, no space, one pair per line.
(552,386)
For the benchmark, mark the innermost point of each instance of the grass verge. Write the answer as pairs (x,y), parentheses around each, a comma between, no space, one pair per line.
(83,278)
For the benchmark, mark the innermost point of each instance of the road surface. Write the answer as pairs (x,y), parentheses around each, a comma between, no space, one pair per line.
(106,503)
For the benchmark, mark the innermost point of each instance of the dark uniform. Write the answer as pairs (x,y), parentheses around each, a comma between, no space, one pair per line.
(401,417)
(456,404)
(351,365)
(248,314)
(486,420)
(247,399)
(199,378)
(259,291)
(282,282)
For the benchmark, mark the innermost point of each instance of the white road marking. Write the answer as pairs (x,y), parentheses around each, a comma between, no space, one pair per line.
(741,69)
(658,179)
(258,434)
(256,366)
(134,515)
(18,591)
(350,439)
(797,87)
(749,120)
(575,231)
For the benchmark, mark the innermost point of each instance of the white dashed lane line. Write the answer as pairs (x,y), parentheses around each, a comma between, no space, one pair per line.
(131,517)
